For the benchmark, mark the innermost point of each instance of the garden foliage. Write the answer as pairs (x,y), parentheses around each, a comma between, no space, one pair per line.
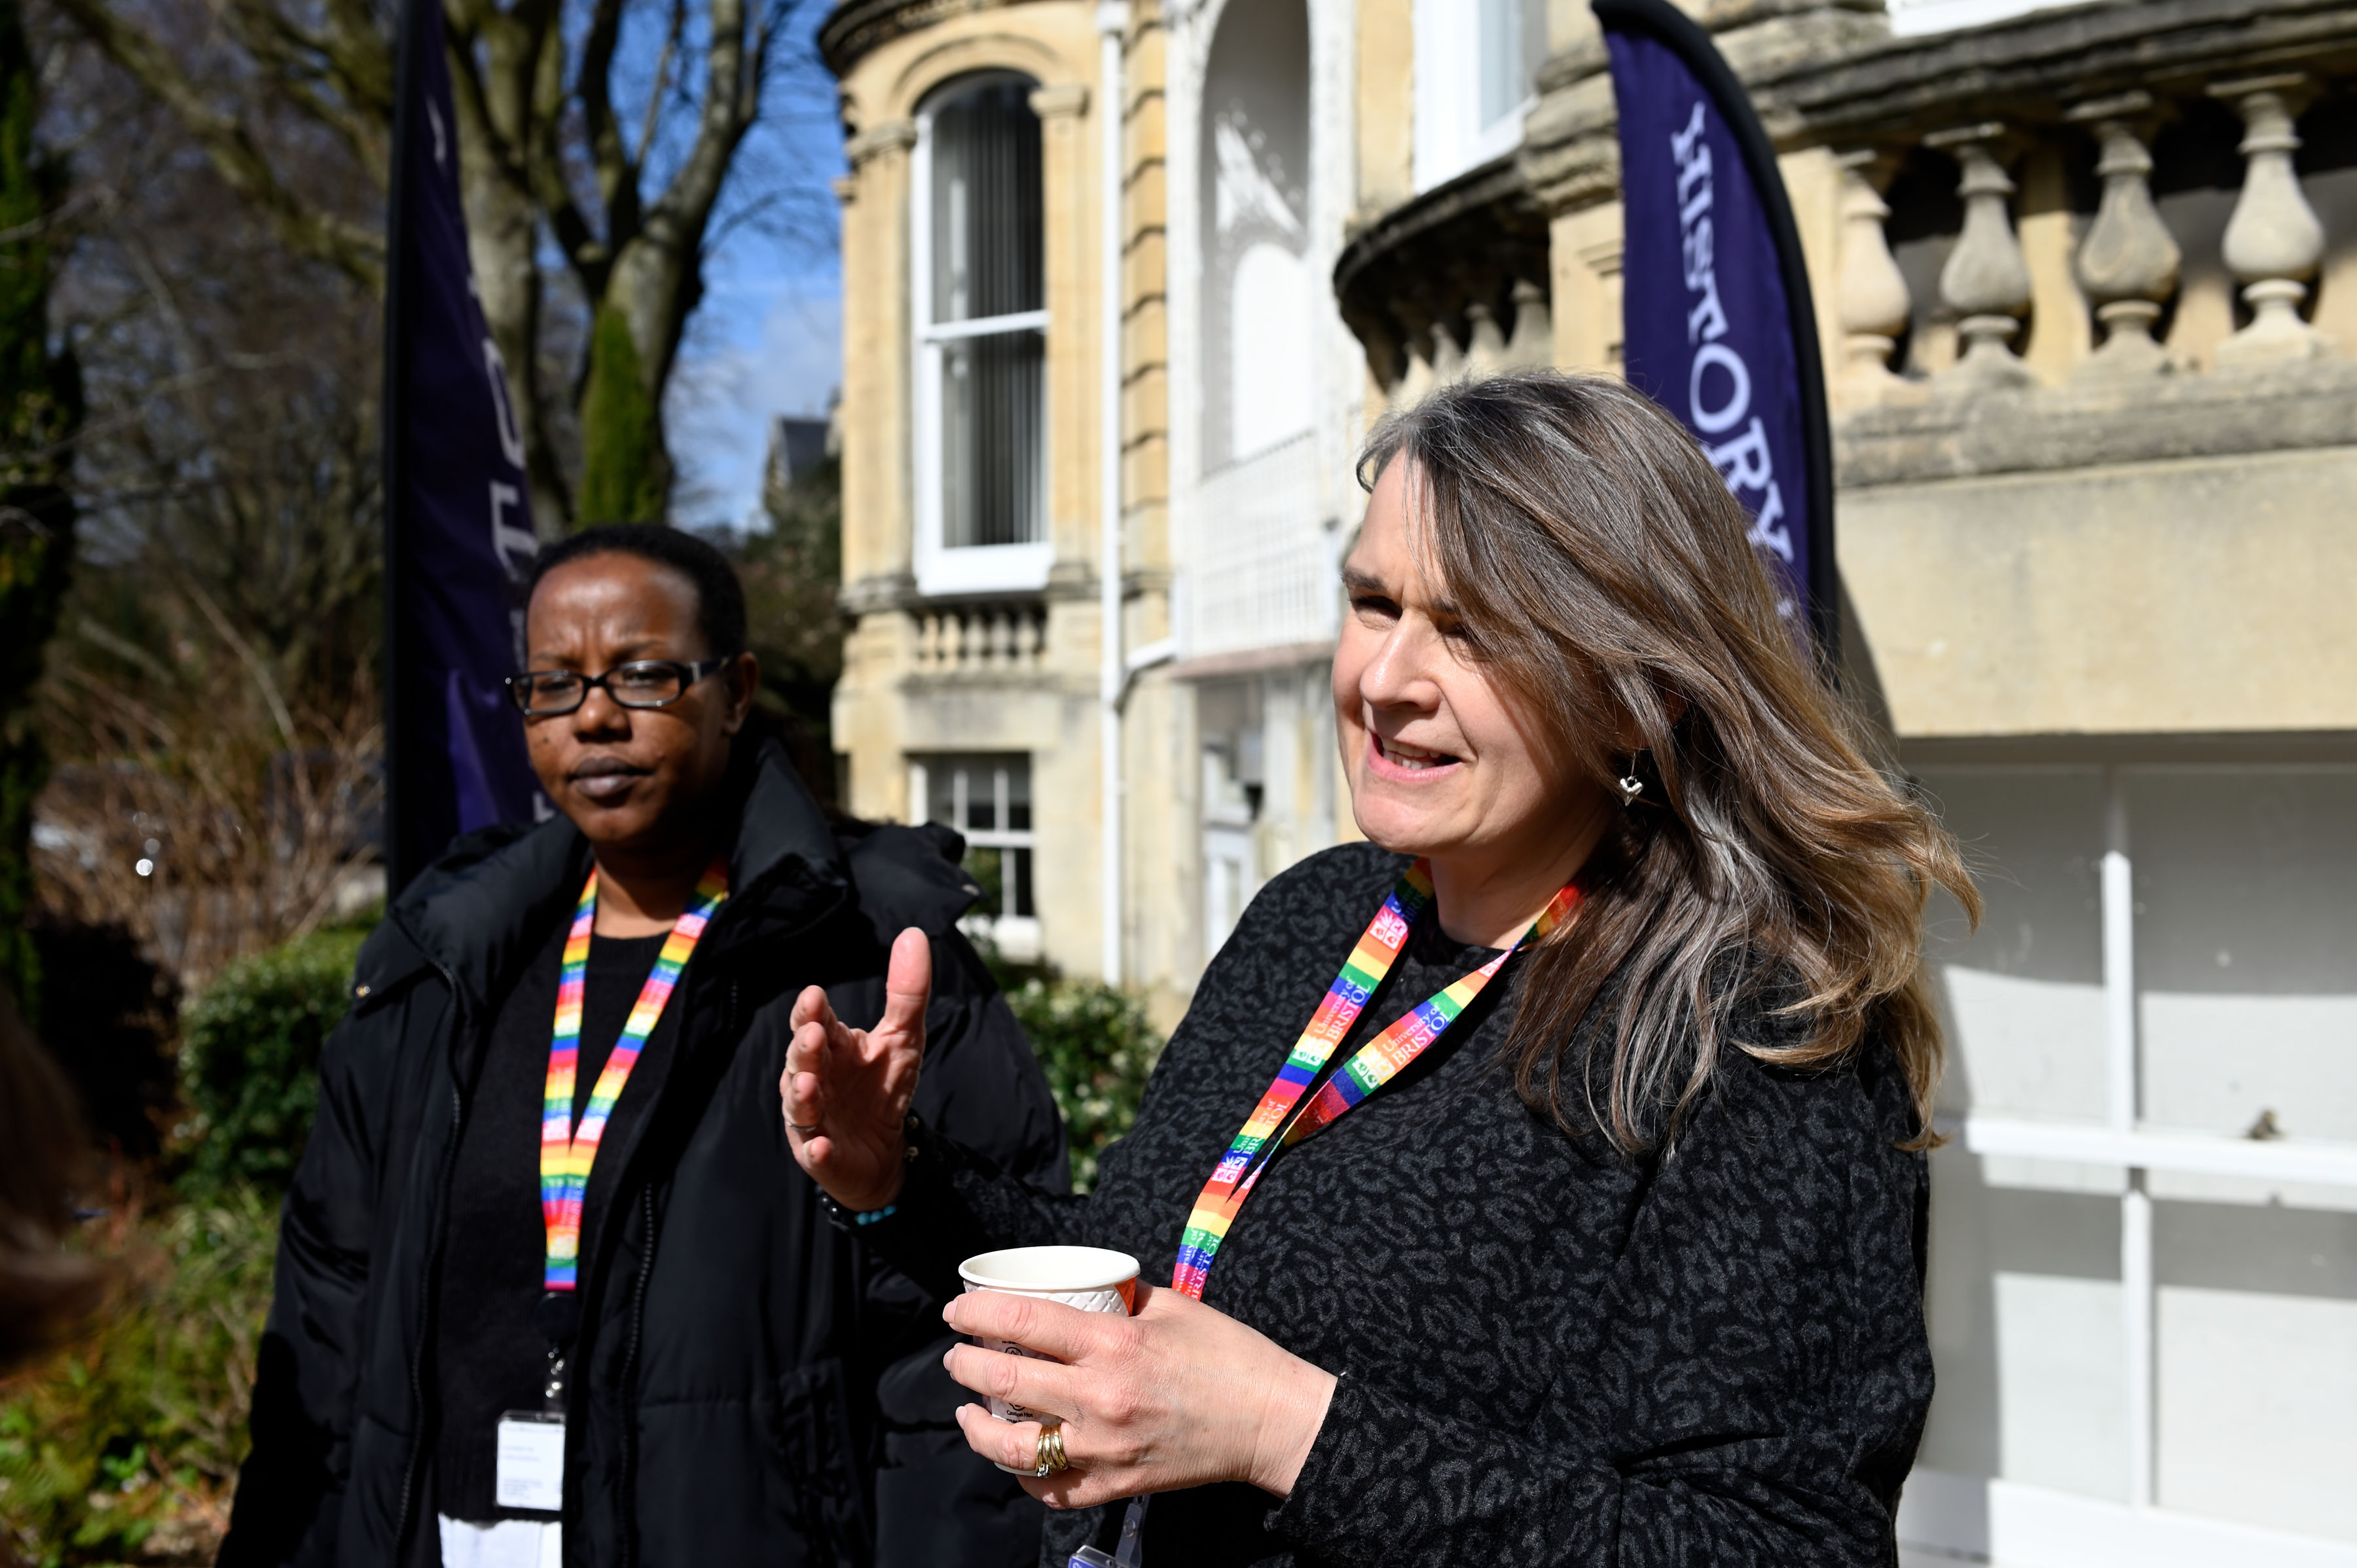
(125,1449)
(250,1060)
(1096,1046)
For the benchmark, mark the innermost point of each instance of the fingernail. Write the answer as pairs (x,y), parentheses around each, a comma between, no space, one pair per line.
(948,1312)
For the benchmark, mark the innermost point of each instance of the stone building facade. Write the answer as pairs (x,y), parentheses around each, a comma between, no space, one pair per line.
(1127,285)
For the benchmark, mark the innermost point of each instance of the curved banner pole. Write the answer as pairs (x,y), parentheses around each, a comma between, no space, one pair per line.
(1716,322)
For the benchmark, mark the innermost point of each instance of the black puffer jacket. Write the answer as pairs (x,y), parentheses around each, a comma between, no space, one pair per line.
(751,1383)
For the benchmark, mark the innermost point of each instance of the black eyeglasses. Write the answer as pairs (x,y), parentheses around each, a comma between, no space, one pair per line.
(642,683)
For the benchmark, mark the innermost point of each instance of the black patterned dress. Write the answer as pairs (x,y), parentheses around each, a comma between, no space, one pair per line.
(1548,1353)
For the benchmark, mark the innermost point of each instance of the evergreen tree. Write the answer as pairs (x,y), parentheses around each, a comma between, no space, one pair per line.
(621,441)
(39,406)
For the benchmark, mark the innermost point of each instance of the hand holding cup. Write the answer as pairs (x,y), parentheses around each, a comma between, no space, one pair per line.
(1178,1395)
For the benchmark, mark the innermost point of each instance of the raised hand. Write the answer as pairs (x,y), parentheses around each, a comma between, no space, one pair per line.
(846,1092)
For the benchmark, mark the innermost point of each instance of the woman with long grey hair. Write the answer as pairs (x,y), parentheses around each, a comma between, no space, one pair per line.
(1583,1106)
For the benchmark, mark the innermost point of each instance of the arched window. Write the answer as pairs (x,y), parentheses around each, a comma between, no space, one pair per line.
(1259,308)
(980,326)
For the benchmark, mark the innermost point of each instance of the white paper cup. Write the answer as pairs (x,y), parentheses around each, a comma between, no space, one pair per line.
(1093,1279)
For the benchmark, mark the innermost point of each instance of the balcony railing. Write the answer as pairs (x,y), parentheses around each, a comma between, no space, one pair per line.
(2125,273)
(986,638)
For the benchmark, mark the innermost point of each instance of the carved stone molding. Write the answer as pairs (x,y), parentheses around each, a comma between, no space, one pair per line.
(890,137)
(1060,101)
(854,29)
(1415,284)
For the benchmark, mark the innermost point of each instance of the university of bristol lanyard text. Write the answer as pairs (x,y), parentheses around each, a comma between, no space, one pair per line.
(1281,1120)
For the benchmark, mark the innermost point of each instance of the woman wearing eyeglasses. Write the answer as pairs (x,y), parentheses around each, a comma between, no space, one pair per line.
(549,1285)
(1541,1181)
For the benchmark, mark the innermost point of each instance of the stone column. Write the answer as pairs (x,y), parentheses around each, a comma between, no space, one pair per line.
(2273,240)
(878,507)
(1986,282)
(1072,279)
(1485,353)
(2127,262)
(1447,359)
(1532,345)
(1870,296)
(1417,380)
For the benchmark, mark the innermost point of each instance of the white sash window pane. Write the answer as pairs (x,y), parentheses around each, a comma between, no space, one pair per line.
(1513,42)
(993,456)
(982,325)
(986,212)
(987,797)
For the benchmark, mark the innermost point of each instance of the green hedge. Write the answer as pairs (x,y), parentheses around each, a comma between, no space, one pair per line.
(251,1059)
(249,1062)
(1097,1049)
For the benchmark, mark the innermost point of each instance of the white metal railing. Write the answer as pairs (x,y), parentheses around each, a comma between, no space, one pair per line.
(1259,558)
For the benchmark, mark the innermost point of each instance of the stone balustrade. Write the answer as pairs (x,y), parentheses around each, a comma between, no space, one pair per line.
(984,639)
(2120,308)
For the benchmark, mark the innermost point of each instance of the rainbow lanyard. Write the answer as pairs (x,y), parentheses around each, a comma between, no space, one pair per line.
(1373,1065)
(566,1153)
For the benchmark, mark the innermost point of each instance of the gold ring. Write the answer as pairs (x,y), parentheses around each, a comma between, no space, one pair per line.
(1049,1455)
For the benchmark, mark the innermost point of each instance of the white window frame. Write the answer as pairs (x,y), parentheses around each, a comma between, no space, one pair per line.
(968,569)
(1448,135)
(1017,937)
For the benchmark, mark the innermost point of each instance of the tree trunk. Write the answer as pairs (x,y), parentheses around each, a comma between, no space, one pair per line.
(40,404)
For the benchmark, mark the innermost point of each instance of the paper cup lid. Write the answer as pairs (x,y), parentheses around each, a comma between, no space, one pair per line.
(1049,1269)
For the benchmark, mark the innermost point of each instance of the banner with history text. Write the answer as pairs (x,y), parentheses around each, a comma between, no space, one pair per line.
(1716,322)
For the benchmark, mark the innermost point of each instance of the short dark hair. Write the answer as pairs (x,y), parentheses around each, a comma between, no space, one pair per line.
(719,597)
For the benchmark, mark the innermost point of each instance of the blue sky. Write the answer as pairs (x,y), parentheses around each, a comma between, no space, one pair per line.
(768,338)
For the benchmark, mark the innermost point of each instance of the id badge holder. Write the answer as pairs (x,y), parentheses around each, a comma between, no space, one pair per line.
(531,1461)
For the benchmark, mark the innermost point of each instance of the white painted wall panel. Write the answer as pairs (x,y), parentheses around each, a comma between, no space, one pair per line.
(2258,1408)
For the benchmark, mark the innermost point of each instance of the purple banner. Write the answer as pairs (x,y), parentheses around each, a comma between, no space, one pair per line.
(458,533)
(1716,322)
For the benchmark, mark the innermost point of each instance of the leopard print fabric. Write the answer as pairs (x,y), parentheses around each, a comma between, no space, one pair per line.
(1548,1353)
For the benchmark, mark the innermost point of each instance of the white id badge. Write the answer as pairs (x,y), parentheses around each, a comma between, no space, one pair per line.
(531,1462)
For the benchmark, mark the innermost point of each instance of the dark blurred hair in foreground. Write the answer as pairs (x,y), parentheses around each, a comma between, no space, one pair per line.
(45,1291)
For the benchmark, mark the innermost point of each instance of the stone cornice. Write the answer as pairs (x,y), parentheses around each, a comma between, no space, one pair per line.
(2086,423)
(856,28)
(2030,69)
(1830,74)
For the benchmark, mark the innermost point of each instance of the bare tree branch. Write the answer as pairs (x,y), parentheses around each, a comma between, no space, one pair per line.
(353,250)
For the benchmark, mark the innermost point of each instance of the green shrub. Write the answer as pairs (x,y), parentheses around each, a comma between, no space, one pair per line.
(249,1064)
(1096,1048)
(126,1447)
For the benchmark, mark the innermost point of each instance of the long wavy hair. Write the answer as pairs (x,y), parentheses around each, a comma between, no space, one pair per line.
(1604,578)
